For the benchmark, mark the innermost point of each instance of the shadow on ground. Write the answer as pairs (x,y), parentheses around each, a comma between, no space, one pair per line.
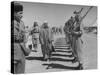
(63,51)
(61,59)
(51,59)
(59,66)
(35,58)
(62,55)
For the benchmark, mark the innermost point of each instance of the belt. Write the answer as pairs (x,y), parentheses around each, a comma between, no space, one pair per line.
(18,41)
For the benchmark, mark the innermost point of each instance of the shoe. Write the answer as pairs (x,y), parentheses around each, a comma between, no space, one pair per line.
(75,60)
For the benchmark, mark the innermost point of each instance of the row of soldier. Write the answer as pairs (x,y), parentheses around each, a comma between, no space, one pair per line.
(73,30)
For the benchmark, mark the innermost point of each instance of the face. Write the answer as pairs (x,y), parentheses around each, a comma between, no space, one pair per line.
(19,15)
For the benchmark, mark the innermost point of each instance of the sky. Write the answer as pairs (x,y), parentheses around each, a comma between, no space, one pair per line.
(54,14)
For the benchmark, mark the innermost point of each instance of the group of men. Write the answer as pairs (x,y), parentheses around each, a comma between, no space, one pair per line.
(19,39)
(72,30)
(73,34)
(42,35)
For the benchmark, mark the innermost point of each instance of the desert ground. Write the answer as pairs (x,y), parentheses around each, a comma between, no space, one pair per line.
(34,62)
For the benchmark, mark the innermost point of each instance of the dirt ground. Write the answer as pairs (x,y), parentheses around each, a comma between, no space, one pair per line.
(89,51)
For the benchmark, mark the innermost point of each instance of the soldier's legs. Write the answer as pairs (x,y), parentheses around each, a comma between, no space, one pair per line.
(68,39)
(80,57)
(19,68)
(74,47)
(79,51)
(34,44)
(71,40)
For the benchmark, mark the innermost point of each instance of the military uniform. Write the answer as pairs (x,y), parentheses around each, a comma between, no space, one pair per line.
(19,52)
(77,42)
(35,36)
(68,29)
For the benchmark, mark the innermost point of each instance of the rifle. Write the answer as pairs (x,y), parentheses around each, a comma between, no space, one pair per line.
(78,27)
(86,13)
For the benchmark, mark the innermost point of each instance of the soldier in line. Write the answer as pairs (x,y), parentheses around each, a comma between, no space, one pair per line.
(71,26)
(35,35)
(77,42)
(77,33)
(68,29)
(19,51)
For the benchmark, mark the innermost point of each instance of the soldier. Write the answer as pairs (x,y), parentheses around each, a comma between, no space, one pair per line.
(18,51)
(68,29)
(71,26)
(77,43)
(35,35)
(77,39)
(77,33)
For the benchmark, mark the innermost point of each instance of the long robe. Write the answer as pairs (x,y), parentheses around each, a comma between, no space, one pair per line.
(45,40)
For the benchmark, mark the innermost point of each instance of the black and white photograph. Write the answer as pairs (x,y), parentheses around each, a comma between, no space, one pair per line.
(50,37)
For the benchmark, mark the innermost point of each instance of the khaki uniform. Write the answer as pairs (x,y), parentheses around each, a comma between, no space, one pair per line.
(77,42)
(35,36)
(19,51)
(66,30)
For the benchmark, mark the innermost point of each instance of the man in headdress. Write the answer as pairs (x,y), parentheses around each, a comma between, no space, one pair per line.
(18,51)
(45,41)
